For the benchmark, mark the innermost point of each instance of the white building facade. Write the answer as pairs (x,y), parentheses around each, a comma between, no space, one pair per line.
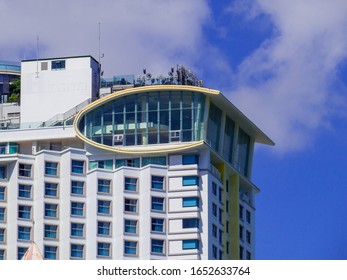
(152,172)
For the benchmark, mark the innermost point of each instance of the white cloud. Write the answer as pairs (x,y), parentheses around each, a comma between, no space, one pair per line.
(134,34)
(285,85)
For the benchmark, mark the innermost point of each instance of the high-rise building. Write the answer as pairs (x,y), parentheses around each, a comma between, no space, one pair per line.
(159,168)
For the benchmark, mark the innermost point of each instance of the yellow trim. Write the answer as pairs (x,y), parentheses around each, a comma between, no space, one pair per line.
(163,148)
(234,217)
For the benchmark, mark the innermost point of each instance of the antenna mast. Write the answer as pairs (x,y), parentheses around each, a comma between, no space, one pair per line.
(37,56)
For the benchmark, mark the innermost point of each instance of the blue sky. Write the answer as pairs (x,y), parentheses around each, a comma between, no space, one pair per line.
(283,63)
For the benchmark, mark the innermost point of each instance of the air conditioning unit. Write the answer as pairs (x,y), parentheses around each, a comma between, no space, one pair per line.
(118,139)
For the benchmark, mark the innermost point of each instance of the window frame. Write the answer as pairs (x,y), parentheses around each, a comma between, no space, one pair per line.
(75,250)
(24,171)
(109,207)
(129,186)
(126,253)
(189,181)
(131,205)
(56,210)
(76,168)
(75,230)
(155,183)
(25,191)
(73,208)
(52,168)
(188,201)
(131,226)
(190,244)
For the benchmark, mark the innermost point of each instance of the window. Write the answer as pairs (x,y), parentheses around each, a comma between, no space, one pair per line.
(77,208)
(130,205)
(24,233)
(58,65)
(241,253)
(214,209)
(21,251)
(190,223)
(2,214)
(157,246)
(157,225)
(104,207)
(214,188)
(153,160)
(24,191)
(51,168)
(130,184)
(157,183)
(2,235)
(2,193)
(248,237)
(220,194)
(214,252)
(51,189)
(104,228)
(241,232)
(2,254)
(130,247)
(50,252)
(241,212)
(190,159)
(220,254)
(133,162)
(24,170)
(130,226)
(104,249)
(248,216)
(227,206)
(77,230)
(190,180)
(77,251)
(77,188)
(51,210)
(220,236)
(190,202)
(3,147)
(77,166)
(190,244)
(227,247)
(24,212)
(51,231)
(221,215)
(227,185)
(102,164)
(3,173)
(248,255)
(214,230)
(157,203)
(104,186)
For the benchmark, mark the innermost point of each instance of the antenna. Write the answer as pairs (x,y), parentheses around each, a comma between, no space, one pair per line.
(37,56)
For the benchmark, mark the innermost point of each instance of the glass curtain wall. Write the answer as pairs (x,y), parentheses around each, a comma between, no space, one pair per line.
(146,118)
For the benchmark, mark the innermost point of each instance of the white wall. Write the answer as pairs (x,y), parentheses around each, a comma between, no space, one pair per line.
(51,92)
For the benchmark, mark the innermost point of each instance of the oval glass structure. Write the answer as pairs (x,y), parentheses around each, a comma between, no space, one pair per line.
(141,118)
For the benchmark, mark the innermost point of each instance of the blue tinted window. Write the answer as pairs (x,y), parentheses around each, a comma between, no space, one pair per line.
(130,247)
(51,168)
(157,182)
(157,246)
(51,231)
(51,189)
(190,223)
(50,252)
(130,226)
(77,251)
(24,191)
(77,166)
(24,233)
(157,225)
(130,184)
(190,159)
(104,186)
(2,193)
(77,209)
(190,180)
(58,65)
(158,203)
(51,210)
(190,202)
(104,249)
(190,244)
(77,187)
(104,207)
(77,230)
(104,228)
